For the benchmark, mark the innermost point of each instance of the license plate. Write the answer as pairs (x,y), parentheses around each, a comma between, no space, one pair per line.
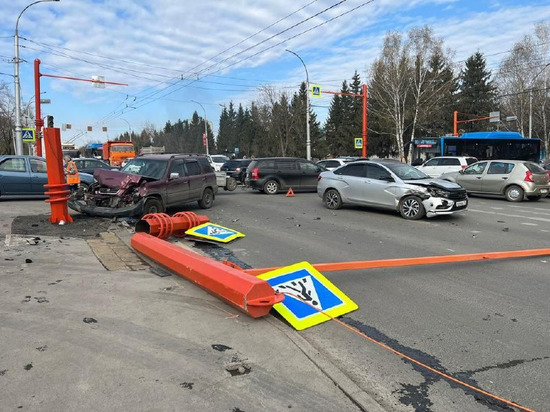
(544,190)
(461,203)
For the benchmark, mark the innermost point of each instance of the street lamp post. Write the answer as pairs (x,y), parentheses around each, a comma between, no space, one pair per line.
(205,125)
(308,141)
(531,98)
(17,84)
(129,128)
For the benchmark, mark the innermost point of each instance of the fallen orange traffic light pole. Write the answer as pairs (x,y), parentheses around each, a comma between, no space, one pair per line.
(163,226)
(427,260)
(248,293)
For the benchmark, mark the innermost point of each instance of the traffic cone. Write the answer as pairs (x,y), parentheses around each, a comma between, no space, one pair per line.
(290,193)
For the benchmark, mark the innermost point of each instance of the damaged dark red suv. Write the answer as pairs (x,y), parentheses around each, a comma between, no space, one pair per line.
(149,184)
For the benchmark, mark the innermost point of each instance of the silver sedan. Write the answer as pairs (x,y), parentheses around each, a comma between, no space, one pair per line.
(390,184)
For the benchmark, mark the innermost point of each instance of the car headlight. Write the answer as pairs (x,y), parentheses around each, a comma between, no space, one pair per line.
(436,192)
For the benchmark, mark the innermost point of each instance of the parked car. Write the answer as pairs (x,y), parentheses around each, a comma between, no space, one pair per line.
(547,168)
(271,174)
(26,176)
(513,179)
(236,168)
(149,184)
(217,161)
(436,166)
(390,184)
(331,164)
(89,164)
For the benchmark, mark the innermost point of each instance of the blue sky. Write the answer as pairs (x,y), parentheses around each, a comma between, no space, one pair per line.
(213,52)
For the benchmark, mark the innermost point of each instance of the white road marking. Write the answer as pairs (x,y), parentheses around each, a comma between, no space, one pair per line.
(538,219)
(529,224)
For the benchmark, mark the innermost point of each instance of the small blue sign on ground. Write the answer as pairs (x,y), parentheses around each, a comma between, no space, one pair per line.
(309,296)
(211,231)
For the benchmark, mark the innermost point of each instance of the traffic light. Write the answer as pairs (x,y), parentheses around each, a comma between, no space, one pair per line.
(50,121)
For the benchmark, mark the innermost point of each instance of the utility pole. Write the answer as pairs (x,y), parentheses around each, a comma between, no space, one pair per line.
(17,84)
(308,141)
(205,126)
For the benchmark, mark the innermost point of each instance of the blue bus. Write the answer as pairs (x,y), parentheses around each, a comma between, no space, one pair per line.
(483,145)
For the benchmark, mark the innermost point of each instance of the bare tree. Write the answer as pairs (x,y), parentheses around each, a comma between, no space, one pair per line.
(391,85)
(430,83)
(7,112)
(523,83)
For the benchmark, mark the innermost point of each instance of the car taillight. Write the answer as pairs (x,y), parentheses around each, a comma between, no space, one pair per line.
(318,178)
(528,176)
(255,174)
(464,167)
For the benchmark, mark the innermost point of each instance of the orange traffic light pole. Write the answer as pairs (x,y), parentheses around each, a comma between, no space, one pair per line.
(39,122)
(426,260)
(456,121)
(364,97)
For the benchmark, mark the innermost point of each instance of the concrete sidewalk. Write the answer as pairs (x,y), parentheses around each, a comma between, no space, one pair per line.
(77,336)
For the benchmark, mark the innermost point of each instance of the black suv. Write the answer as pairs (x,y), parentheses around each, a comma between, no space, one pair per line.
(271,174)
(236,168)
(150,184)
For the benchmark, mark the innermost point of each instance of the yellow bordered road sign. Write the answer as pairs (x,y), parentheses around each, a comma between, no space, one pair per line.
(358,141)
(315,90)
(304,281)
(28,135)
(211,231)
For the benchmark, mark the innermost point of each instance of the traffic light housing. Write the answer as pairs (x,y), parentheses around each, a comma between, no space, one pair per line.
(50,121)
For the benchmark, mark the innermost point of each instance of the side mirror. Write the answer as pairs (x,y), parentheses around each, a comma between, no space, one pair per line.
(387,178)
(174,176)
(461,171)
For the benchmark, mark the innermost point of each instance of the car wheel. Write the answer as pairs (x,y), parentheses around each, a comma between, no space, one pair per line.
(271,187)
(332,199)
(207,199)
(230,184)
(412,208)
(152,206)
(534,198)
(514,193)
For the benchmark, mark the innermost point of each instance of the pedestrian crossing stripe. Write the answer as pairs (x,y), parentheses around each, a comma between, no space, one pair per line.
(214,232)
(304,281)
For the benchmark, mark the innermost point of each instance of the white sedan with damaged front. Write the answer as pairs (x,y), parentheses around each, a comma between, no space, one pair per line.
(390,184)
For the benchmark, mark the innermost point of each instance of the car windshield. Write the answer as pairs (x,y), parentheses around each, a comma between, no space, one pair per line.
(406,172)
(146,167)
(219,159)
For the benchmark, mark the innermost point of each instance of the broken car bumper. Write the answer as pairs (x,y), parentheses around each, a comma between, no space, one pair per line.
(82,207)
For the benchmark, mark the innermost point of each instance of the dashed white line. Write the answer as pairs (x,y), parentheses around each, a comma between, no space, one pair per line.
(538,219)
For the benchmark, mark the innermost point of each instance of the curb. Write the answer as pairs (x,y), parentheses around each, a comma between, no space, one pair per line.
(357,395)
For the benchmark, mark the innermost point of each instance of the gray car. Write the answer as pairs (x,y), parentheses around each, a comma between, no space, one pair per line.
(513,179)
(390,184)
(22,175)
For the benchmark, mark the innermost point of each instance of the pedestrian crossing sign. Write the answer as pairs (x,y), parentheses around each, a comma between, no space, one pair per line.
(214,232)
(358,142)
(315,90)
(28,135)
(310,298)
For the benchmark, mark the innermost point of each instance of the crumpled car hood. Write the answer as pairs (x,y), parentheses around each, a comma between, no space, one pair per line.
(439,183)
(113,179)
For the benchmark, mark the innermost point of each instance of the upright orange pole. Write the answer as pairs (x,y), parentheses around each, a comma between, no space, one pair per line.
(455,123)
(38,112)
(364,120)
(58,190)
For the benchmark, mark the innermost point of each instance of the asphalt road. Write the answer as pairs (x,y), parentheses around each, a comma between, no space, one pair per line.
(486,323)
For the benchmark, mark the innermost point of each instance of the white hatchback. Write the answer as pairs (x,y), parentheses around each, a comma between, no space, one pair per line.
(436,166)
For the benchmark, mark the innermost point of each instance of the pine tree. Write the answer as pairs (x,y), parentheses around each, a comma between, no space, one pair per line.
(477,93)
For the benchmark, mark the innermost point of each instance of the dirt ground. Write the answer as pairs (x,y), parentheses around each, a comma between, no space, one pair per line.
(82,226)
